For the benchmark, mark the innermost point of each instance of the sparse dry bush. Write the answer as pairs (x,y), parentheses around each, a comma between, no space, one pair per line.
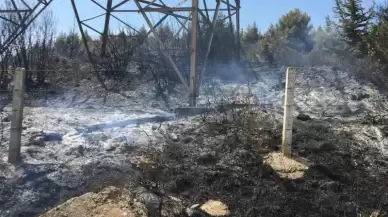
(223,155)
(224,161)
(242,121)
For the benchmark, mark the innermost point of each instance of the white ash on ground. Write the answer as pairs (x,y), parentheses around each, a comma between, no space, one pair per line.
(66,151)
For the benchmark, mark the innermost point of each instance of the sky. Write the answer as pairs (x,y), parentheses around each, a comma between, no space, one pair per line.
(262,12)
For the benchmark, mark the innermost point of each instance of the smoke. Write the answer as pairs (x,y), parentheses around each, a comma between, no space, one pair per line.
(232,72)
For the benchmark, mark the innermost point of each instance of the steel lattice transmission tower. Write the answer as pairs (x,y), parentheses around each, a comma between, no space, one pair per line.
(183,11)
(20,14)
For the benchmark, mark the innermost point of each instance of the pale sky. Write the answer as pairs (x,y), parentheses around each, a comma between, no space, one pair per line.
(263,12)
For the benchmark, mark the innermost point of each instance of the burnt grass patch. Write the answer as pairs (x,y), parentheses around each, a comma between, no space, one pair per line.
(226,160)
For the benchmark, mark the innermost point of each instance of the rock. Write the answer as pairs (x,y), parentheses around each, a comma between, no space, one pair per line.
(77,151)
(151,201)
(360,96)
(49,137)
(182,183)
(207,158)
(127,148)
(375,213)
(327,146)
(39,138)
(120,139)
(114,143)
(344,109)
(109,146)
(331,185)
(81,150)
(7,119)
(155,105)
(215,208)
(313,145)
(187,139)
(303,117)
(110,201)
(350,205)
(37,141)
(172,206)
(174,137)
(154,127)
(193,210)
(32,151)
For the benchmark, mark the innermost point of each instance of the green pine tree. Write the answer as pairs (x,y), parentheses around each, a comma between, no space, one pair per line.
(354,22)
(251,36)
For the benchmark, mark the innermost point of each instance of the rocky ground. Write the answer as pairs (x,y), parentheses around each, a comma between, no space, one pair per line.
(81,140)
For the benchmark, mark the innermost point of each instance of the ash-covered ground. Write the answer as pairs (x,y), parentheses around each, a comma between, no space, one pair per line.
(79,139)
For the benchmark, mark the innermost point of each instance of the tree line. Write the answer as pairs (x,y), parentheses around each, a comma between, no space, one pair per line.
(354,39)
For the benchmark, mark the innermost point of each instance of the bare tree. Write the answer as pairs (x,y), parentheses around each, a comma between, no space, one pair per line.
(43,49)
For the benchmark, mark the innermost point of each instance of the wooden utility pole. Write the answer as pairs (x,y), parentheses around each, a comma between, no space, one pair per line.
(288,112)
(17,116)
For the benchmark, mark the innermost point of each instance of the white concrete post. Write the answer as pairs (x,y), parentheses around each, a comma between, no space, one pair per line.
(17,116)
(288,112)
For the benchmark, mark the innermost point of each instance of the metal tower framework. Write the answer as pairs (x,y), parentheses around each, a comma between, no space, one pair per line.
(26,12)
(29,12)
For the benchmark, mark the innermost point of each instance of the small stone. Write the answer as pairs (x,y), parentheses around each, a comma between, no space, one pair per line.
(120,139)
(350,205)
(6,119)
(360,96)
(109,147)
(375,213)
(331,185)
(49,137)
(187,139)
(181,183)
(126,148)
(155,105)
(36,139)
(215,208)
(327,146)
(81,150)
(174,137)
(150,200)
(77,151)
(207,158)
(303,117)
(194,206)
(191,211)
(154,127)
(31,151)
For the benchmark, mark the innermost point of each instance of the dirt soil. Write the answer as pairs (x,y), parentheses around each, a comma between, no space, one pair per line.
(110,202)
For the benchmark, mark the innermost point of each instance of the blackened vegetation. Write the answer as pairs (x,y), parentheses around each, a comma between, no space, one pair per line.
(224,160)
